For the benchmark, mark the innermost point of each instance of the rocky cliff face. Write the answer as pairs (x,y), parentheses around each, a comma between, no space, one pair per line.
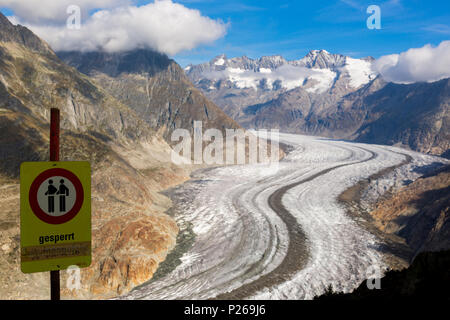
(419,213)
(131,233)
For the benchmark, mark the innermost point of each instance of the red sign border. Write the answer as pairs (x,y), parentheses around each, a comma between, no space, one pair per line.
(34,204)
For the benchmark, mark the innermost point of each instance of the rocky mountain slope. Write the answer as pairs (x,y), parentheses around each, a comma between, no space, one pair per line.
(328,95)
(415,115)
(154,86)
(419,213)
(131,233)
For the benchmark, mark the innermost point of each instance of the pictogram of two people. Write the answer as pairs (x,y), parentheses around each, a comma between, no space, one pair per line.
(62,192)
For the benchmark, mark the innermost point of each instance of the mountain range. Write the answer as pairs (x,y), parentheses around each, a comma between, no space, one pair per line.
(330,95)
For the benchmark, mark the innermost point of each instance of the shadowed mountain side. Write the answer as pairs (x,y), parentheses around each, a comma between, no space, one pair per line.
(415,115)
(114,64)
(427,279)
(154,86)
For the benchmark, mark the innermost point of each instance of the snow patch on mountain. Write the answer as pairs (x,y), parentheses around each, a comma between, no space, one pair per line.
(220,62)
(324,78)
(265,70)
(288,76)
(360,71)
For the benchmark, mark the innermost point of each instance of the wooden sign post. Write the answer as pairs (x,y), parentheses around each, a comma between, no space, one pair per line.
(55,213)
(55,286)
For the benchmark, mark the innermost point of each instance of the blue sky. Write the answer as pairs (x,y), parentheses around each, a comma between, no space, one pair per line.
(293,28)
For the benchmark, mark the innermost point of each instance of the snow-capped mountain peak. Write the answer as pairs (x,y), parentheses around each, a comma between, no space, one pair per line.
(271,62)
(322,59)
(316,72)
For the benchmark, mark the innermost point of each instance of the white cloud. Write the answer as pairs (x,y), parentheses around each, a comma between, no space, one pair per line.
(54,11)
(163,26)
(426,64)
(438,28)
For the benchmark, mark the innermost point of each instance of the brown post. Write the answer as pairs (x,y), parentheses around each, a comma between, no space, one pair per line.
(54,134)
(54,156)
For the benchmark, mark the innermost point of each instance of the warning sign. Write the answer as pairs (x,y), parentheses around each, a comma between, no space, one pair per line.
(56,196)
(55,215)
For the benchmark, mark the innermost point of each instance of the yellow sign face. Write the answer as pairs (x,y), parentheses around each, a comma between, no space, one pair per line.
(55,215)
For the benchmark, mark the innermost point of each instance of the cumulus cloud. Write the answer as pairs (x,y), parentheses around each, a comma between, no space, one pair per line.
(163,26)
(426,64)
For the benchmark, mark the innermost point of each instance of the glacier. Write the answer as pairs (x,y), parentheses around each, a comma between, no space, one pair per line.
(241,241)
